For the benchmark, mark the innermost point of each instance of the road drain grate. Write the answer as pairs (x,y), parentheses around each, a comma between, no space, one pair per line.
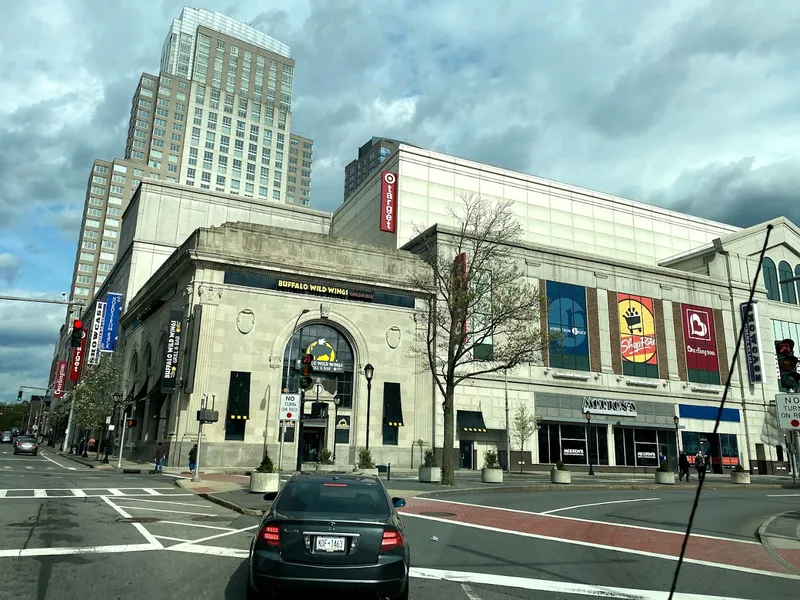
(139,520)
(437,514)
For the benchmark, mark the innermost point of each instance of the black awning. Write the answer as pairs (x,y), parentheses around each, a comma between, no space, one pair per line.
(392,405)
(470,420)
(142,392)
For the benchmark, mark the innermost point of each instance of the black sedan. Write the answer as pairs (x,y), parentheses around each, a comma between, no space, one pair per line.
(332,534)
(26,445)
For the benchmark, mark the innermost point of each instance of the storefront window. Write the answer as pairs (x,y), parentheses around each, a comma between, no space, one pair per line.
(644,447)
(338,350)
(721,449)
(567,442)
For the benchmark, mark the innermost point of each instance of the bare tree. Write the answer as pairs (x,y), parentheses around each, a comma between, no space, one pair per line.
(482,315)
(525,424)
(94,398)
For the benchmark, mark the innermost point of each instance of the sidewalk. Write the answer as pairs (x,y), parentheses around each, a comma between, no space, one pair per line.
(780,535)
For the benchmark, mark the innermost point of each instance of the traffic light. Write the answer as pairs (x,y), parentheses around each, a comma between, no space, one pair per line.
(787,365)
(130,423)
(306,369)
(77,333)
(19,395)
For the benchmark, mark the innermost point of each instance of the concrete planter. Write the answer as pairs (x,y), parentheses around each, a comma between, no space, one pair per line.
(327,468)
(562,477)
(264,482)
(366,471)
(740,477)
(665,477)
(492,475)
(430,474)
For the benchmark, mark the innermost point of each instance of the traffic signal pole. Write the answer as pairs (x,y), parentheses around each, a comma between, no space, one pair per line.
(304,382)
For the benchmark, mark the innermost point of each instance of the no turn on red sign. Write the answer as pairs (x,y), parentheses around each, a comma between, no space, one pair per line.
(788,411)
(290,407)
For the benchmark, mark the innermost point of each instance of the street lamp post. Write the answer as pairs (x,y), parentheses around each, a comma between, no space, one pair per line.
(117,399)
(336,402)
(676,419)
(281,423)
(589,441)
(369,371)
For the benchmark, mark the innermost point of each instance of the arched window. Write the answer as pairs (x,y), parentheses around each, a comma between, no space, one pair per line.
(788,293)
(329,345)
(771,279)
(797,283)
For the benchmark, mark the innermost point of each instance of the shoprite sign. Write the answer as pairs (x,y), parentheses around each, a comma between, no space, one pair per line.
(606,406)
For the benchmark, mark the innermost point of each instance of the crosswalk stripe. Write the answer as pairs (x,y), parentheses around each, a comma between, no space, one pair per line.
(39,493)
(79,493)
(151,491)
(28,467)
(115,492)
(2,493)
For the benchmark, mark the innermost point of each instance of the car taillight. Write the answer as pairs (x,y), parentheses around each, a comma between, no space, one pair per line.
(391,540)
(270,535)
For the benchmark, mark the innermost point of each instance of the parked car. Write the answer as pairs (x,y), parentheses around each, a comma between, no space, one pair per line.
(337,533)
(5,437)
(26,445)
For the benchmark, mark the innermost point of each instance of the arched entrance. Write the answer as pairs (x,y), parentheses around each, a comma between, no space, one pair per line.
(333,378)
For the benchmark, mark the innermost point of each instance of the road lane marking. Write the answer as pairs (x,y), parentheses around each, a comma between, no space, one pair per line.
(220,535)
(196,504)
(555,510)
(92,489)
(115,492)
(470,592)
(179,512)
(28,467)
(2,493)
(595,521)
(604,546)
(44,456)
(22,552)
(171,539)
(561,587)
(151,491)
(78,493)
(39,494)
(215,550)
(197,525)
(147,535)
(782,495)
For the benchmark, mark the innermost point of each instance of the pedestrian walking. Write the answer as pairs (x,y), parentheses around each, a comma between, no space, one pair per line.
(683,467)
(193,459)
(160,455)
(700,465)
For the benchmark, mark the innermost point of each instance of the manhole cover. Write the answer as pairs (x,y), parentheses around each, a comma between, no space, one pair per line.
(139,520)
(438,514)
(211,518)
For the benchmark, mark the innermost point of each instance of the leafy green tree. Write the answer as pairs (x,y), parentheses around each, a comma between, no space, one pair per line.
(94,398)
(13,415)
(524,425)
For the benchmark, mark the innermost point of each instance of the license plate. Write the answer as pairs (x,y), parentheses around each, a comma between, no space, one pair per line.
(330,544)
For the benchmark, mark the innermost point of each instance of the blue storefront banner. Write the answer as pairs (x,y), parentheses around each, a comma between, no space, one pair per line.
(566,320)
(108,333)
(708,413)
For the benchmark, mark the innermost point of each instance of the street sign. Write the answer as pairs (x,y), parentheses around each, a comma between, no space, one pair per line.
(318,389)
(290,407)
(788,411)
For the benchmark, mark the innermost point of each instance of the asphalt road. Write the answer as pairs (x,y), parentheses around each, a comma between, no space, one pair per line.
(68,532)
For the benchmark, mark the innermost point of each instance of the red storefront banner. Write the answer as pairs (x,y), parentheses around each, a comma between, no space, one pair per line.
(61,377)
(77,360)
(388,201)
(699,338)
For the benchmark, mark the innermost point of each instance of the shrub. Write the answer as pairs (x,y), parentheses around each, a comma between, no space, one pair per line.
(664,468)
(266,465)
(560,466)
(430,458)
(365,459)
(490,460)
(739,468)
(325,457)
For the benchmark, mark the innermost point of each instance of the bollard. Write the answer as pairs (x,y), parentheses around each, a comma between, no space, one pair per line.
(388,471)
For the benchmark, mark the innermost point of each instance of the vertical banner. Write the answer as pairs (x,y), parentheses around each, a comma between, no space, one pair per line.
(637,336)
(77,359)
(701,344)
(170,374)
(752,342)
(93,356)
(566,322)
(388,202)
(108,333)
(61,378)
(342,435)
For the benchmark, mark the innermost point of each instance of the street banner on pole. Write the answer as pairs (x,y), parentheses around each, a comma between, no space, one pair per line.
(77,359)
(170,374)
(61,377)
(93,356)
(108,334)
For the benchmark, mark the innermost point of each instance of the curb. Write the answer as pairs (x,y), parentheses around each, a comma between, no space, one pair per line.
(587,488)
(232,506)
(764,538)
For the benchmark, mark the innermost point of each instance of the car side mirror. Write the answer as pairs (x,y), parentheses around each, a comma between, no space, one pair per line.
(270,496)
(399,502)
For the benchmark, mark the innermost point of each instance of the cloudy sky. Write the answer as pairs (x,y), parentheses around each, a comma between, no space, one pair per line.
(687,104)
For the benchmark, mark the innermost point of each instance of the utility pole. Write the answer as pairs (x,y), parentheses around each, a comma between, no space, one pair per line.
(508,429)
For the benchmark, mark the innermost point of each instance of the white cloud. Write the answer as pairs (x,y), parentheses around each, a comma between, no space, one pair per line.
(9,266)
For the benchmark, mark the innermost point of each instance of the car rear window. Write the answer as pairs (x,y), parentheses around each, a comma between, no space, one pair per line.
(354,498)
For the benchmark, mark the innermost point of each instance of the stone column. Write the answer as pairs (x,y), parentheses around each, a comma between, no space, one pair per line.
(612,447)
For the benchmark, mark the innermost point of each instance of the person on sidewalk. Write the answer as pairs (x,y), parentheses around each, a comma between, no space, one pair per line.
(683,467)
(160,455)
(700,465)
(193,459)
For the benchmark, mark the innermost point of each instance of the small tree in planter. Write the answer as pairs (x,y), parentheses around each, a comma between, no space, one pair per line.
(365,462)
(325,460)
(665,475)
(265,478)
(492,472)
(560,473)
(429,472)
(739,475)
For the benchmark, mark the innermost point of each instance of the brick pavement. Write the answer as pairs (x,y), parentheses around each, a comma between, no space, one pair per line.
(709,550)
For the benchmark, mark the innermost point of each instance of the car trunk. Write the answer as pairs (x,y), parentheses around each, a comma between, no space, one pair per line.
(331,541)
